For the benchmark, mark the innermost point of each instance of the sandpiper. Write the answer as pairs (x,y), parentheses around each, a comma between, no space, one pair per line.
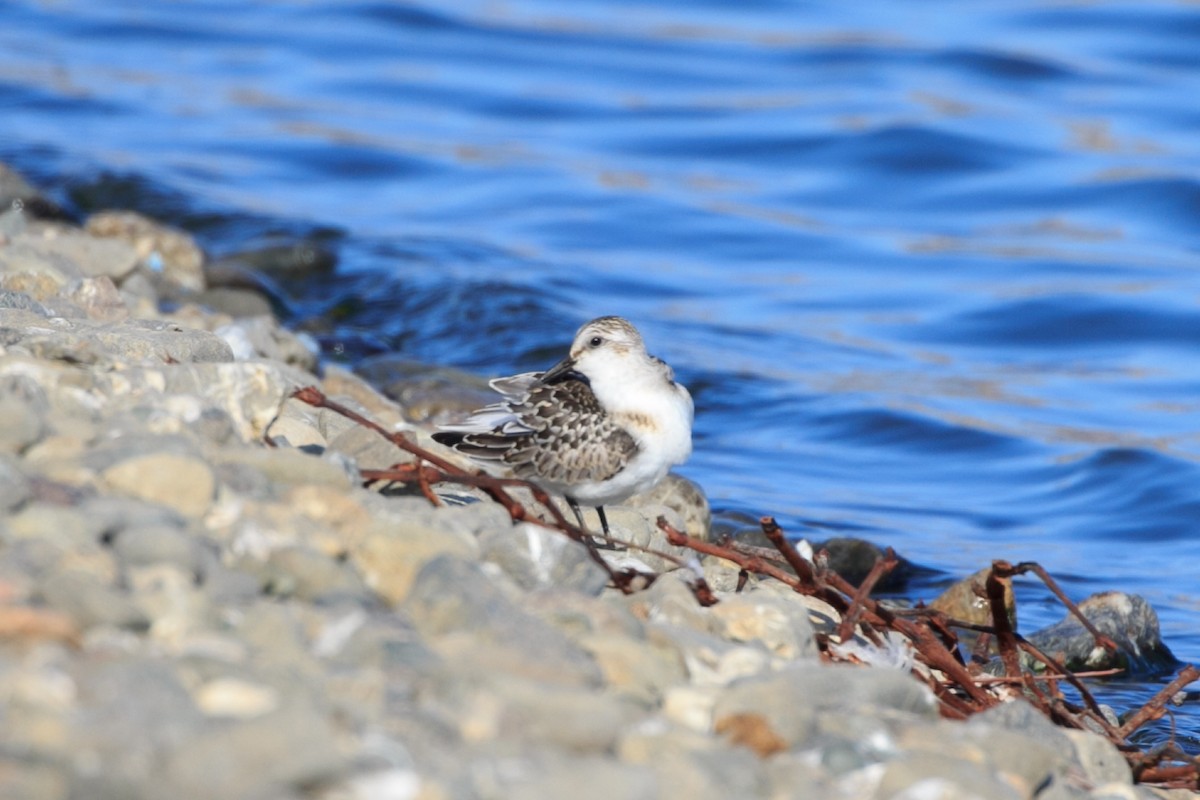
(604,423)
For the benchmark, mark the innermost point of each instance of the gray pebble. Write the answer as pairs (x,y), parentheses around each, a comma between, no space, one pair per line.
(89,601)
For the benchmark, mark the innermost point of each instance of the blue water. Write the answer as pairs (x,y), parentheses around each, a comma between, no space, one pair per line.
(931,269)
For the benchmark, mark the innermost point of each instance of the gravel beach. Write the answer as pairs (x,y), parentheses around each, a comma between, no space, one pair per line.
(199,599)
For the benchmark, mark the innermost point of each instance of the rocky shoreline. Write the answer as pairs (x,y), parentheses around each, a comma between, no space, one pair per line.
(199,599)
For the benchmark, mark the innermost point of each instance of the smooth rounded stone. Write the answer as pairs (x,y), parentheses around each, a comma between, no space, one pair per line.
(734,772)
(14,187)
(229,587)
(250,392)
(295,427)
(670,600)
(81,341)
(345,386)
(474,519)
(157,543)
(725,576)
(794,774)
(14,486)
(23,255)
(140,292)
(169,597)
(1140,792)
(429,394)
(285,467)
(12,221)
(362,639)
(1020,716)
(22,779)
(54,339)
(60,537)
(390,554)
(343,511)
(691,707)
(1099,759)
(710,660)
(1125,618)
(854,558)
(17,194)
(579,615)
(165,250)
(285,260)
(28,290)
(545,775)
(264,337)
(278,754)
(634,527)
(183,484)
(161,341)
(967,599)
(236,301)
(683,496)
(539,558)
(92,256)
(384,784)
(232,698)
(519,715)
(90,602)
(131,713)
(97,298)
(1020,761)
(780,624)
(310,575)
(451,595)
(936,777)
(368,449)
(656,738)
(277,639)
(640,670)
(790,699)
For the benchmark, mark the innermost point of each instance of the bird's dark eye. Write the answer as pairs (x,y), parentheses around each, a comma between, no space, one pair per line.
(596,341)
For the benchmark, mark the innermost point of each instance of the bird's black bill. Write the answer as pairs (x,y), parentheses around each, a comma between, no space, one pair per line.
(563,371)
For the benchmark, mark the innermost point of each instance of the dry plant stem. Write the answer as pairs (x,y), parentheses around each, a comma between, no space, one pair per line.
(748,563)
(1093,707)
(881,567)
(1155,708)
(1182,776)
(1006,640)
(1037,569)
(1098,673)
(797,562)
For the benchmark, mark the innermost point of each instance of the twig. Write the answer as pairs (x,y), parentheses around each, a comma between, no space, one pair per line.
(1157,704)
(881,567)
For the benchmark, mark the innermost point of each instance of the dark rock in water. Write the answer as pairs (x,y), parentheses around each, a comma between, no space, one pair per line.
(18,195)
(1125,618)
(429,394)
(290,260)
(850,557)
(853,559)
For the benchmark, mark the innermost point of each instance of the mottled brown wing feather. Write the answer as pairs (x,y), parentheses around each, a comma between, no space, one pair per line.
(571,439)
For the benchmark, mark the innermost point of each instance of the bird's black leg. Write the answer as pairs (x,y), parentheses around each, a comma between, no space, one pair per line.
(578,515)
(603,520)
(603,544)
(608,543)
